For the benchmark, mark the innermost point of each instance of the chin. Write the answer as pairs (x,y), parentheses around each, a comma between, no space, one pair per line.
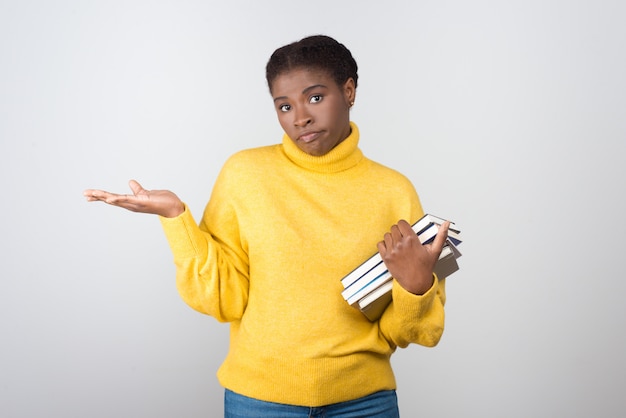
(316,152)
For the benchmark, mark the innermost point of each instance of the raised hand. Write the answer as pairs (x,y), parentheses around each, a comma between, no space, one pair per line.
(408,261)
(158,202)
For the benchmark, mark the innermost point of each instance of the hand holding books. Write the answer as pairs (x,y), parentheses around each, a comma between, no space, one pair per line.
(409,261)
(368,287)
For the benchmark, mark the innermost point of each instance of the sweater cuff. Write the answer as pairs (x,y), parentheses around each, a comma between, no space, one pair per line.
(183,235)
(411,304)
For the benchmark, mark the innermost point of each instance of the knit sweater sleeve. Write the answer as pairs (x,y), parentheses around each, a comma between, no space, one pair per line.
(409,318)
(417,319)
(207,279)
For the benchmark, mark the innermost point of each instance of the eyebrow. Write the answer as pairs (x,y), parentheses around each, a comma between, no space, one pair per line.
(305,91)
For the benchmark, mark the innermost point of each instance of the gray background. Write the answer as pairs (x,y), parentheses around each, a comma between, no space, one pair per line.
(508,116)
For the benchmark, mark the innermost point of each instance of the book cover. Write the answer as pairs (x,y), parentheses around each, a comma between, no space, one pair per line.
(446,265)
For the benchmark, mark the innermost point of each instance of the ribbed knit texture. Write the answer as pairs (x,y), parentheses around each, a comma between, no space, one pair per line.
(279,232)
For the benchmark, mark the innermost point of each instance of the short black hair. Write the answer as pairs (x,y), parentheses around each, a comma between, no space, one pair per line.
(315,52)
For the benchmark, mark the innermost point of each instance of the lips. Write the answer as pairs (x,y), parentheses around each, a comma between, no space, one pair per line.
(309,136)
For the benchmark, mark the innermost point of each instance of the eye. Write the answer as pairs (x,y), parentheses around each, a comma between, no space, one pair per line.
(284,108)
(316,98)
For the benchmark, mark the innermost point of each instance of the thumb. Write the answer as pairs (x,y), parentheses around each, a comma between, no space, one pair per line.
(135,187)
(442,236)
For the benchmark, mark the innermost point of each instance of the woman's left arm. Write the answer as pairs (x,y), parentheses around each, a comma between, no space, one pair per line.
(416,314)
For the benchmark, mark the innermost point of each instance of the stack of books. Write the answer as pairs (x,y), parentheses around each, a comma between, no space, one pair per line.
(368,287)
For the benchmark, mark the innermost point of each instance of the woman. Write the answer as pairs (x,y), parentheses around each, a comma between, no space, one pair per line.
(283,225)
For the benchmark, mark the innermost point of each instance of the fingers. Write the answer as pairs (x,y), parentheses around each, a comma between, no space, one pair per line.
(400,231)
(94,195)
(396,234)
(382,248)
(88,195)
(442,236)
(135,187)
(405,228)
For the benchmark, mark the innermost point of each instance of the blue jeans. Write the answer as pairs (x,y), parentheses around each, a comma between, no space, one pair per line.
(382,404)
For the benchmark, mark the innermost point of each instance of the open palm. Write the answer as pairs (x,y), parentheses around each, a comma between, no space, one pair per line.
(159,202)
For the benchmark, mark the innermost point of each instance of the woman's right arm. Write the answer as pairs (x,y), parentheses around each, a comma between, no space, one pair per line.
(211,273)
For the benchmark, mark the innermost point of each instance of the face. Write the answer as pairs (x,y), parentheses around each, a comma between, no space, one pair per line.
(312,109)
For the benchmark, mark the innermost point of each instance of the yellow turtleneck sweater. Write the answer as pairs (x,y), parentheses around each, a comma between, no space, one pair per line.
(279,232)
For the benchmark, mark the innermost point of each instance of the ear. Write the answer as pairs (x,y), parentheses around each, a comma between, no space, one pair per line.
(349,91)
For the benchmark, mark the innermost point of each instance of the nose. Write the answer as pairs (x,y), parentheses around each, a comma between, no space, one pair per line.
(302,117)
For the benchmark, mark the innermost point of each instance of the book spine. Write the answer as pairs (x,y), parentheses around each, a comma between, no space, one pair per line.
(379,293)
(373,284)
(364,280)
(367,266)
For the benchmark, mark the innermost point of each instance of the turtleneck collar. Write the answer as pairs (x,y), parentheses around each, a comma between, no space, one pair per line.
(344,156)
